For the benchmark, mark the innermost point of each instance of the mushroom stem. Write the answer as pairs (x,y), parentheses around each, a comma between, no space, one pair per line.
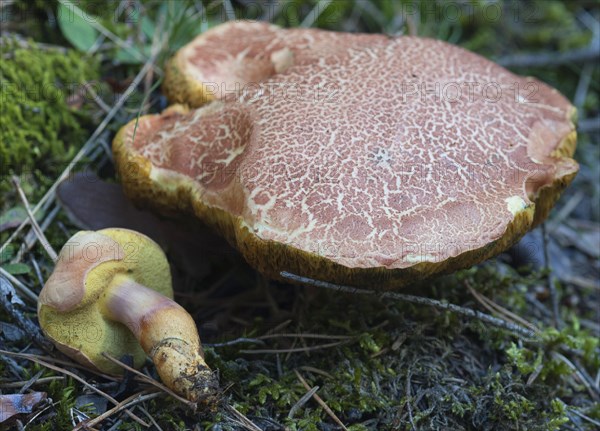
(167,333)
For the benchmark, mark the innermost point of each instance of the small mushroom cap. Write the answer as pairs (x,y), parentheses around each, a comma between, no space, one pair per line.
(70,306)
(359,159)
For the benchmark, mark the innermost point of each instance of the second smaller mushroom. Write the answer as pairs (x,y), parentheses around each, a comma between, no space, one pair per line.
(111,293)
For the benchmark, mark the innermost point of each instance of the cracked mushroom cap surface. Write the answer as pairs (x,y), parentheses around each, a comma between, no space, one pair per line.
(353,158)
(70,306)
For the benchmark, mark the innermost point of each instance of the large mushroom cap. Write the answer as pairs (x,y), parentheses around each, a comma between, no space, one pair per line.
(360,159)
(69,309)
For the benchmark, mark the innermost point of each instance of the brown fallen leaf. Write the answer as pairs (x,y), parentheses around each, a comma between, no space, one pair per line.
(19,404)
(118,86)
(94,204)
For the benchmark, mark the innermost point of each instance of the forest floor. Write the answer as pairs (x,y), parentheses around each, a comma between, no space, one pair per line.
(293,357)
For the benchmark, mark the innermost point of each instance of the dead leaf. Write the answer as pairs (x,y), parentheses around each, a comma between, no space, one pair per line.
(92,203)
(10,332)
(19,404)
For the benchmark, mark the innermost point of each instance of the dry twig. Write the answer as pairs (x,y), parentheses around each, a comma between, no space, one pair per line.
(298,349)
(467,312)
(303,400)
(151,381)
(242,420)
(17,385)
(550,280)
(322,403)
(20,286)
(127,402)
(495,308)
(36,227)
(37,360)
(10,302)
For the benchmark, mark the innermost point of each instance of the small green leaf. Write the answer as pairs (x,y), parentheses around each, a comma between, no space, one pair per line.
(148,27)
(75,28)
(12,217)
(8,253)
(262,395)
(16,268)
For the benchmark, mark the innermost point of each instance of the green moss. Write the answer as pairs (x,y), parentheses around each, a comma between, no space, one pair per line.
(63,395)
(40,131)
(449,373)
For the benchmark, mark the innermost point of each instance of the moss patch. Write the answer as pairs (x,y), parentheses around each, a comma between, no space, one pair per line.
(408,367)
(41,118)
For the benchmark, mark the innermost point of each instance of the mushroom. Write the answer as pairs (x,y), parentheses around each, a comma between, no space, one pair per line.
(352,158)
(111,292)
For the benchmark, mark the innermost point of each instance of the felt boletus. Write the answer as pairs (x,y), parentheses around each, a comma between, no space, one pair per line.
(111,292)
(352,158)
